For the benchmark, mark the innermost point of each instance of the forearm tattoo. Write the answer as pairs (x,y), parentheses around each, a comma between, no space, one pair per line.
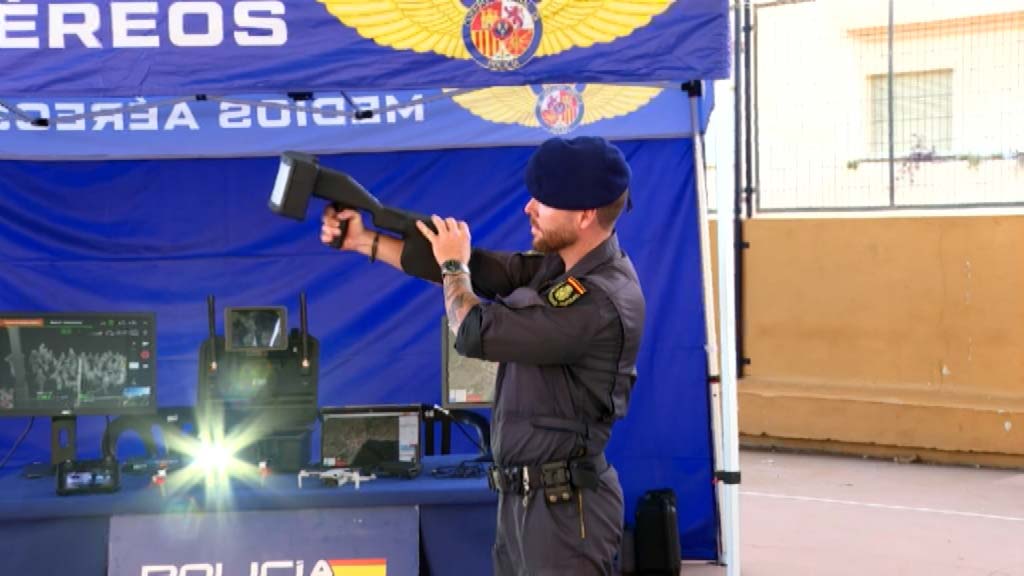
(458,299)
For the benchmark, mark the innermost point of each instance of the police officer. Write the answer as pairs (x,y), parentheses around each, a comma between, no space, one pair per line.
(565,322)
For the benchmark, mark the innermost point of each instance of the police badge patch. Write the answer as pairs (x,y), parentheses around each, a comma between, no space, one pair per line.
(566,293)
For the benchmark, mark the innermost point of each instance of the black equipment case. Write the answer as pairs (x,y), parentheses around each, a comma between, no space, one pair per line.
(657,534)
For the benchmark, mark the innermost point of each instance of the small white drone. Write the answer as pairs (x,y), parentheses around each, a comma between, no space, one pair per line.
(341,476)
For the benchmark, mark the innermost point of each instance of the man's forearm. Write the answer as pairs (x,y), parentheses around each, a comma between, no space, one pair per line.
(458,299)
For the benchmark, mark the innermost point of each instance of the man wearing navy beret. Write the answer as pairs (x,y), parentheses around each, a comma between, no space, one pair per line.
(565,322)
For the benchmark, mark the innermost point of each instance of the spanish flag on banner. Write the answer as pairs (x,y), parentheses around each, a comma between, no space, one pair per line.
(359,567)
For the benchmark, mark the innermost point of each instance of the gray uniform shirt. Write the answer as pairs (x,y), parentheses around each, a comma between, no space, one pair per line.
(566,370)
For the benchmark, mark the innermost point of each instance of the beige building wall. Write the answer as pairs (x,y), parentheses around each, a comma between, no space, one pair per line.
(815,62)
(877,333)
(902,336)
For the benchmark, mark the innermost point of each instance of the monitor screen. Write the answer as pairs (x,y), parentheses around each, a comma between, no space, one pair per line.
(77,363)
(256,328)
(465,382)
(364,437)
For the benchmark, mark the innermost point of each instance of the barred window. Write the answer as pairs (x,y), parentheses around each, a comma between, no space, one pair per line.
(922,112)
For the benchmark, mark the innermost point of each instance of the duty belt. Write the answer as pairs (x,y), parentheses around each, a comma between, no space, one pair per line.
(556,479)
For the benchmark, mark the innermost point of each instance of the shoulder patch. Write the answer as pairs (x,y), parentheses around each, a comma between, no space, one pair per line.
(566,293)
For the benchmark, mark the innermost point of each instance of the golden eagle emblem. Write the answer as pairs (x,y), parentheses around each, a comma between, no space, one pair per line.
(498,34)
(558,108)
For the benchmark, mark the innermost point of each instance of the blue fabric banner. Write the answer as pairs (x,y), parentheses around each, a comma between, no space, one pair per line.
(183,47)
(162,235)
(382,541)
(266,125)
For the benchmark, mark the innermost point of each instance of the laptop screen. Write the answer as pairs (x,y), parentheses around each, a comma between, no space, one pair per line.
(366,438)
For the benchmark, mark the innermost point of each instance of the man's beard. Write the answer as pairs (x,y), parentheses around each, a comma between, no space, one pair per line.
(551,240)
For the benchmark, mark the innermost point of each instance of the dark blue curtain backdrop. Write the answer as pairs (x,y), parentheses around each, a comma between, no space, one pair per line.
(162,235)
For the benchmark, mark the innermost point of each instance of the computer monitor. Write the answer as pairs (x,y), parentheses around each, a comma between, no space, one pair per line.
(256,328)
(367,437)
(465,382)
(65,364)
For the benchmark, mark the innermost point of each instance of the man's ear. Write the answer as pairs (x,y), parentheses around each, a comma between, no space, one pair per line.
(588,219)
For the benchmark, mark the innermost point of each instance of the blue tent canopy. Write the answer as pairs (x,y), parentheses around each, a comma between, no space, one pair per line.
(117,204)
(230,47)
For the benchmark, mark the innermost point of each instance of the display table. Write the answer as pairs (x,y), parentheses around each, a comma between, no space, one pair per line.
(42,533)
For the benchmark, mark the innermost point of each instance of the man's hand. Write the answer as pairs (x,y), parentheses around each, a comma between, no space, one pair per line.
(357,238)
(452,240)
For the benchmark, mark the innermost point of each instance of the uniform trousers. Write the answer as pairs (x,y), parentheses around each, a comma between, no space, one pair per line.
(538,539)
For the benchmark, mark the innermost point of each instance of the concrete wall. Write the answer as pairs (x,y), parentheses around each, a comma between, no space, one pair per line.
(887,336)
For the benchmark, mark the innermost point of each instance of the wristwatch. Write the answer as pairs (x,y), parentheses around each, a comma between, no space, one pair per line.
(449,267)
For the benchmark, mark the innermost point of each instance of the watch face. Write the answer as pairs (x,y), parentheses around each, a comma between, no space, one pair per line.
(453,266)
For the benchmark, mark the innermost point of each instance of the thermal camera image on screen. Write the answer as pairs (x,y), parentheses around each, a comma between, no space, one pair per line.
(257,329)
(52,365)
(97,373)
(356,441)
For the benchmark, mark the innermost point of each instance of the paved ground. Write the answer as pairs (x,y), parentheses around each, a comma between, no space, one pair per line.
(839,516)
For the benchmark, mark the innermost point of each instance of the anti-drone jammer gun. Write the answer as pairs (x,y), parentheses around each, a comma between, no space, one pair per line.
(299,176)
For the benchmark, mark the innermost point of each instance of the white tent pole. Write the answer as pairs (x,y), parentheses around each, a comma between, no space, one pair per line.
(705,239)
(730,465)
(728,473)
(724,423)
(711,335)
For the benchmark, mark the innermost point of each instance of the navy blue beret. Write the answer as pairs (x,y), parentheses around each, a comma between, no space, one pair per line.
(577,174)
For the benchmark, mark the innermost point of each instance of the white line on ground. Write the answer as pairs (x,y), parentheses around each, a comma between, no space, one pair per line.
(883,506)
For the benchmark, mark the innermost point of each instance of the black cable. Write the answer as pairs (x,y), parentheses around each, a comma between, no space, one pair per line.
(464,469)
(451,418)
(17,443)
(467,435)
(360,113)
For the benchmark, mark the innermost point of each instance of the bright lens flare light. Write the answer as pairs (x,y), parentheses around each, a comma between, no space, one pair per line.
(213,457)
(215,463)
